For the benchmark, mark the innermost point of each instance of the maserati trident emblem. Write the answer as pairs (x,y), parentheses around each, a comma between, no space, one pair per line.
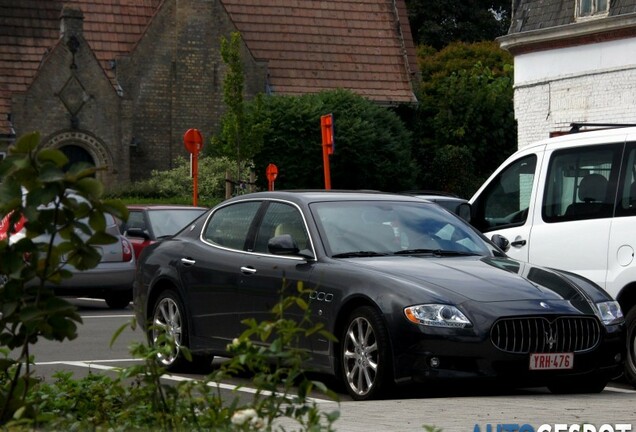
(544,305)
(550,339)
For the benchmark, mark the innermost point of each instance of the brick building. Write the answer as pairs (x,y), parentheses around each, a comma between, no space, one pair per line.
(118,82)
(574,62)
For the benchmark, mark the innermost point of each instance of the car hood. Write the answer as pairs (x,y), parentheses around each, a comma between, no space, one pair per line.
(481,279)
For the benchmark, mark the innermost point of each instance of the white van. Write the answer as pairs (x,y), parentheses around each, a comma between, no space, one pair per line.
(570,203)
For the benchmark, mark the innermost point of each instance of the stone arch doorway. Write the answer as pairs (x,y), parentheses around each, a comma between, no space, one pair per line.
(82,147)
(76,153)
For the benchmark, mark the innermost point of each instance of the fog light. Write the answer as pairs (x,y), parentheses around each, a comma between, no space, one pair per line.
(618,358)
(434,362)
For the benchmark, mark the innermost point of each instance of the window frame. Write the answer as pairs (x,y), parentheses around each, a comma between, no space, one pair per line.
(616,150)
(594,10)
(629,155)
(253,218)
(479,219)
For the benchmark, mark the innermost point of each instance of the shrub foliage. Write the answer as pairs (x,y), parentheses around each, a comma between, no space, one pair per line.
(372,146)
(466,101)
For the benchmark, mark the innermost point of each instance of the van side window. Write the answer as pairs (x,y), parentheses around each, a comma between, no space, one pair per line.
(579,184)
(506,200)
(627,194)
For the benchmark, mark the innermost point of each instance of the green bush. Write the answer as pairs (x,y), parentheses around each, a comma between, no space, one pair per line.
(175,186)
(372,145)
(136,398)
(466,101)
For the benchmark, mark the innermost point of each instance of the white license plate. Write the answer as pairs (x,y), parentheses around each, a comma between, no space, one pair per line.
(551,361)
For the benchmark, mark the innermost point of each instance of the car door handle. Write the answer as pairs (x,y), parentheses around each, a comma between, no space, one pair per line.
(518,243)
(188,261)
(248,270)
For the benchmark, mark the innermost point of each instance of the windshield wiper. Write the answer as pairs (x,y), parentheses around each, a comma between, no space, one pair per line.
(435,252)
(358,254)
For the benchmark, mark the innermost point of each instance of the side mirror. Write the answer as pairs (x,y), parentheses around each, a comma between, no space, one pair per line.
(463,210)
(285,244)
(501,242)
(137,232)
(282,245)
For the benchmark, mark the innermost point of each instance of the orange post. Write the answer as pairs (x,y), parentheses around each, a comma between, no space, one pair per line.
(193,142)
(271,172)
(326,126)
(195,178)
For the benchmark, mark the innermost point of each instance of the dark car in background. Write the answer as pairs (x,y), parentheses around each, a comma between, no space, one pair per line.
(450,202)
(411,292)
(149,222)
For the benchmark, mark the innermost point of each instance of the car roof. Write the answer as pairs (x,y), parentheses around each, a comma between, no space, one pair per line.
(321,195)
(163,207)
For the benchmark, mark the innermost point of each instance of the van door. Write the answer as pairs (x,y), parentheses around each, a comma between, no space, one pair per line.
(572,227)
(621,267)
(503,205)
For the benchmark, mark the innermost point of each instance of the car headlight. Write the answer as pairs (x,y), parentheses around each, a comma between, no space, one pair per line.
(610,312)
(437,315)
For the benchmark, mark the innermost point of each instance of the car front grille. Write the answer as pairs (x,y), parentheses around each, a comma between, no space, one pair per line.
(542,335)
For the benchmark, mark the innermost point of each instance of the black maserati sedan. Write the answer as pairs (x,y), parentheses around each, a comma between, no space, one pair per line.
(411,292)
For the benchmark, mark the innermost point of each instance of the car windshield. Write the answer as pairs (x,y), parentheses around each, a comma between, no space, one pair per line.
(373,228)
(170,221)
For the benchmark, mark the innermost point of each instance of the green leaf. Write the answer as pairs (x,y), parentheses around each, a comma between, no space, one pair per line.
(97,221)
(30,313)
(51,173)
(115,207)
(117,333)
(52,155)
(89,187)
(28,142)
(102,238)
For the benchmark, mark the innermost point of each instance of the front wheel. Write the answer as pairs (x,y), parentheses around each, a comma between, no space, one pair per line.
(365,362)
(630,361)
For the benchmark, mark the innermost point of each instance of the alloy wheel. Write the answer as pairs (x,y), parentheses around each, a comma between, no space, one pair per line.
(360,356)
(167,329)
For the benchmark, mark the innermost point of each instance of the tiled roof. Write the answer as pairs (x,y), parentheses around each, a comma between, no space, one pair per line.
(313,45)
(309,45)
(540,14)
(29,29)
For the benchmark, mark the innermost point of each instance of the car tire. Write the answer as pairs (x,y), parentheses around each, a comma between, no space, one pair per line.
(365,360)
(169,320)
(630,358)
(118,300)
(583,384)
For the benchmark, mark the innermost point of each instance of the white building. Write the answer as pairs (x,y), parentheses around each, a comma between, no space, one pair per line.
(575,61)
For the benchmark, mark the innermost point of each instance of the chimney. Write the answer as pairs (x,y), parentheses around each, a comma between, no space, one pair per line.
(71,23)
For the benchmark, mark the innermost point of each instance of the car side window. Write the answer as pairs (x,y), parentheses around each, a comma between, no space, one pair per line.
(281,218)
(229,225)
(579,184)
(506,199)
(135,220)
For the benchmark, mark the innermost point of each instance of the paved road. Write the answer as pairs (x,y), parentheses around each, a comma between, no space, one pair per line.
(450,409)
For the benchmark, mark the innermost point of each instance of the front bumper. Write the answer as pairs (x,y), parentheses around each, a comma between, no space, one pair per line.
(441,355)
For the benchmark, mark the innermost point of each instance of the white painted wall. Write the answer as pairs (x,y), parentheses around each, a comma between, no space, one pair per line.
(593,83)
